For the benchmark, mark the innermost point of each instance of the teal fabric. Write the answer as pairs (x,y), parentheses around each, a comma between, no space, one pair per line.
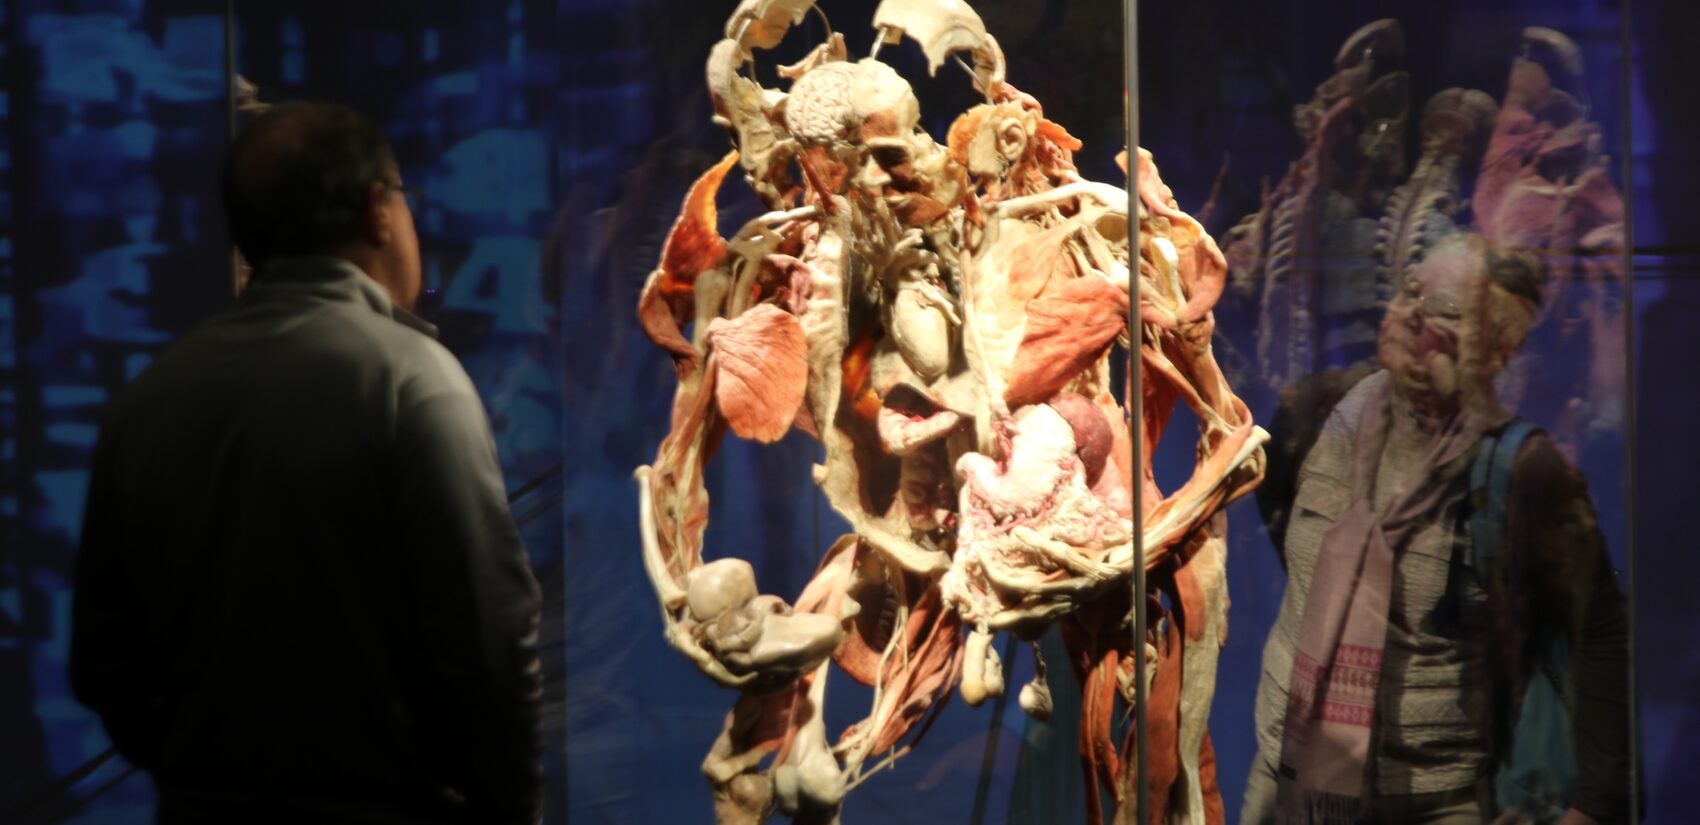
(1048,782)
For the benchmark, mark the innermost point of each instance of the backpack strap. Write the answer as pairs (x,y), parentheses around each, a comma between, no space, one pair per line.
(1536,776)
(1490,489)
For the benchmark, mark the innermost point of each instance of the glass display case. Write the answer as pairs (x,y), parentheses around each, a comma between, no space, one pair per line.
(1424,210)
(1441,191)
(814,338)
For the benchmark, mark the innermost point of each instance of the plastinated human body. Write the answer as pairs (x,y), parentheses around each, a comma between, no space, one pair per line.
(941,315)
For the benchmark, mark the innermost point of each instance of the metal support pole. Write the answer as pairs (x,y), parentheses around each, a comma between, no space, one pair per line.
(1627,106)
(1130,65)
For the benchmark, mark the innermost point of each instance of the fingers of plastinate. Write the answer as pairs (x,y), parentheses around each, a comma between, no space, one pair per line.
(797,640)
(719,586)
(974,688)
(993,673)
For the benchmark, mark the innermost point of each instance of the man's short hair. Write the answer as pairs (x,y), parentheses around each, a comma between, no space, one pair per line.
(298,177)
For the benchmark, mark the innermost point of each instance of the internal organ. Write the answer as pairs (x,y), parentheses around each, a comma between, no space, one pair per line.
(1044,488)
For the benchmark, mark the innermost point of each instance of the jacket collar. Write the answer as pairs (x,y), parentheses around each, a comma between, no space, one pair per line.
(341,279)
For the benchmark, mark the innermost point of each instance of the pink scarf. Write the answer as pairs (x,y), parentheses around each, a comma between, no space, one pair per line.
(1326,767)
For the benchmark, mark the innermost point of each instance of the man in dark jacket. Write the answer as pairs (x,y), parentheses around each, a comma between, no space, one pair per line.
(301,596)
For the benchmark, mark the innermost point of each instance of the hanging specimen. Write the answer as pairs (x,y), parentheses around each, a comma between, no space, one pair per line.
(943,319)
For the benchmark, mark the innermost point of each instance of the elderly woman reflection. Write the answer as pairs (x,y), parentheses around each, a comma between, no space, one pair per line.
(1387,676)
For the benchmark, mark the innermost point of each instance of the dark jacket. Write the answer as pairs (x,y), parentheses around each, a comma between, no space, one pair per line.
(1556,572)
(301,595)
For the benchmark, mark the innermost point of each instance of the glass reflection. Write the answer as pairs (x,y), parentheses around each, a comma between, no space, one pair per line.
(1434,296)
(1434,599)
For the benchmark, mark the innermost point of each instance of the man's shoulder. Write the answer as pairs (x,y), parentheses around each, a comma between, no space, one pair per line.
(417,364)
(273,342)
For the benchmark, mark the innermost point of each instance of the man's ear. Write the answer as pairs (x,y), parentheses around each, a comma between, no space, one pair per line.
(375,218)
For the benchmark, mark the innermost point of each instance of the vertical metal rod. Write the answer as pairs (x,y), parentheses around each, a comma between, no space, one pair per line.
(1136,380)
(989,756)
(1627,98)
(230,119)
(230,68)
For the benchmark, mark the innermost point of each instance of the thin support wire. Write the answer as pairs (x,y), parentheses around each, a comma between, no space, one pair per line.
(235,282)
(1627,97)
(989,756)
(1130,64)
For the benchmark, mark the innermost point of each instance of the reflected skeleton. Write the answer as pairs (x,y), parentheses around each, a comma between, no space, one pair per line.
(942,318)
(1338,235)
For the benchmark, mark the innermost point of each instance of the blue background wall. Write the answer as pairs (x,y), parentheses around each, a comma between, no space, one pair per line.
(553,141)
(114,119)
(115,122)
